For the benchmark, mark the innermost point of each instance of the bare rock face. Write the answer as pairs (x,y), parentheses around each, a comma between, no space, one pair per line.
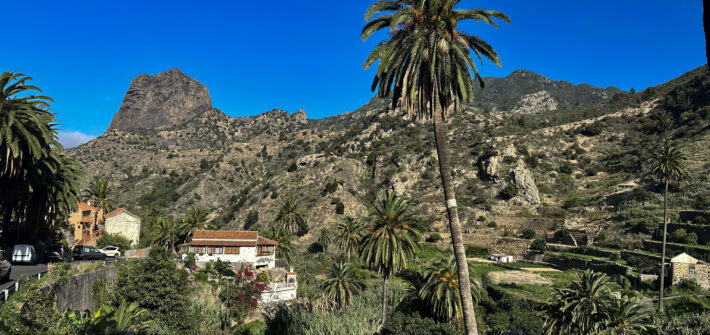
(535,103)
(490,167)
(166,99)
(523,180)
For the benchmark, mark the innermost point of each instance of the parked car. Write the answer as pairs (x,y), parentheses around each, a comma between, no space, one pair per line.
(111,251)
(87,252)
(58,253)
(5,268)
(24,253)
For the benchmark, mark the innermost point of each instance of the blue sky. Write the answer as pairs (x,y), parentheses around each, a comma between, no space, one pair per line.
(255,56)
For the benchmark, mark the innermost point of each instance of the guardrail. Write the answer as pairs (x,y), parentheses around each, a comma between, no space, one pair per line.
(16,285)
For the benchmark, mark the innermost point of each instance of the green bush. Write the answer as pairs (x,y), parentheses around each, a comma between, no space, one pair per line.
(413,324)
(159,286)
(251,220)
(593,129)
(433,237)
(539,245)
(476,251)
(528,234)
(492,224)
(115,240)
(509,191)
(679,236)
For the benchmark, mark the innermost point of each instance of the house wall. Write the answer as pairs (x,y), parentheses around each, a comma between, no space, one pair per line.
(125,225)
(681,271)
(246,255)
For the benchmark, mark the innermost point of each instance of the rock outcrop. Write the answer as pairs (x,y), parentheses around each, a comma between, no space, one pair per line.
(523,181)
(166,99)
(535,103)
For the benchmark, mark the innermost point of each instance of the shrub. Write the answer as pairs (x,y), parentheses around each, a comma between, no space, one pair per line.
(242,296)
(433,237)
(679,236)
(476,251)
(159,286)
(115,240)
(528,234)
(413,324)
(614,256)
(691,238)
(251,220)
(538,245)
(593,129)
(292,167)
(509,191)
(492,224)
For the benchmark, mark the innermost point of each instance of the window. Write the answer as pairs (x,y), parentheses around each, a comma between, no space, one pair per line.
(691,269)
(231,250)
(219,250)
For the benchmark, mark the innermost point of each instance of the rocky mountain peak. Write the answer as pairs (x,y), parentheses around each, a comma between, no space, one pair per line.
(163,100)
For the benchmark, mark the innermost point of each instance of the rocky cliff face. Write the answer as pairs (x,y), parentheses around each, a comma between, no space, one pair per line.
(166,99)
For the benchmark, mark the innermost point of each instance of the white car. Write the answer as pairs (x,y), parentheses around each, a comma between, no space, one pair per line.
(24,253)
(111,251)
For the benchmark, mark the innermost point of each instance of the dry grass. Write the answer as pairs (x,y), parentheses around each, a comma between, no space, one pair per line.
(517,277)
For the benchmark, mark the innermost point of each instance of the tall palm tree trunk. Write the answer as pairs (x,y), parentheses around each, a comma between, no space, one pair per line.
(385,298)
(663,252)
(442,149)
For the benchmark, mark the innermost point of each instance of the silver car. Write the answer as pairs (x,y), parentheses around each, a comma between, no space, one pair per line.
(24,253)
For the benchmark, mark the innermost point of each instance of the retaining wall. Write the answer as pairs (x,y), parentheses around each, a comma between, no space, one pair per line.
(78,291)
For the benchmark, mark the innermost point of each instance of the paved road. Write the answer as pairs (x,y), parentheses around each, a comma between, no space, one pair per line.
(18,270)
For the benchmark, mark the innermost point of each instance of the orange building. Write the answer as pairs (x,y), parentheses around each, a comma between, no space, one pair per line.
(85,223)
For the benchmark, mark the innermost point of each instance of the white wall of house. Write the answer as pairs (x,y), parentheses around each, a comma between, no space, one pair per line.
(246,255)
(125,225)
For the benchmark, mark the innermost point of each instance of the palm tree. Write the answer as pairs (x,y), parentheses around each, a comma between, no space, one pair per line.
(625,316)
(392,239)
(324,238)
(347,235)
(128,316)
(100,191)
(579,308)
(284,240)
(291,217)
(341,284)
(27,138)
(196,219)
(166,233)
(440,290)
(667,165)
(426,66)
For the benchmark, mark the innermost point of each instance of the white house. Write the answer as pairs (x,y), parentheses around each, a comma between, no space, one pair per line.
(503,258)
(233,247)
(124,223)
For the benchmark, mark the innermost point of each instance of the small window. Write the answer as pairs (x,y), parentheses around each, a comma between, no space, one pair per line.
(691,269)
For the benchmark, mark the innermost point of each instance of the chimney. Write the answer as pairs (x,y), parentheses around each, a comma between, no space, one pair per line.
(291,269)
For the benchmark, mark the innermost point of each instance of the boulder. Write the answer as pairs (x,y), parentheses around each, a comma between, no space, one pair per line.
(523,180)
(490,167)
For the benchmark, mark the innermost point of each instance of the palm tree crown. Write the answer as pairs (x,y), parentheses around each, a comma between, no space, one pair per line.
(392,237)
(669,164)
(196,219)
(341,284)
(578,308)
(290,216)
(348,234)
(284,240)
(100,191)
(440,290)
(426,56)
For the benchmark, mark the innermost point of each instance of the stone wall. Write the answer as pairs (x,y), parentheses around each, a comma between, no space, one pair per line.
(125,225)
(279,293)
(567,262)
(700,273)
(698,252)
(78,291)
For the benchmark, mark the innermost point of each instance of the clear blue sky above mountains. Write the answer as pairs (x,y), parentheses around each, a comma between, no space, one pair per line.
(256,56)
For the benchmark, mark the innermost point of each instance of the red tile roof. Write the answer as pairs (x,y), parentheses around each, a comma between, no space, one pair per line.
(266,241)
(290,273)
(84,207)
(119,211)
(225,235)
(208,243)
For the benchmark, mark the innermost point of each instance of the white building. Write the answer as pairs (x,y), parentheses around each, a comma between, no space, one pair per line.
(124,223)
(503,258)
(233,247)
